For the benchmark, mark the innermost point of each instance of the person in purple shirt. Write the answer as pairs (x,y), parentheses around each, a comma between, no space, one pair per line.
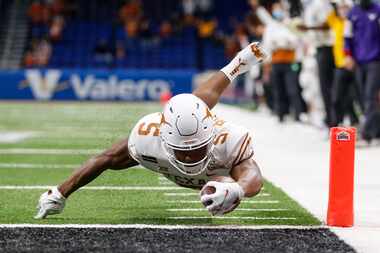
(362,48)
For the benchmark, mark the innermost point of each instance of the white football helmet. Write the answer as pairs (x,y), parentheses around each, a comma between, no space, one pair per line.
(187,133)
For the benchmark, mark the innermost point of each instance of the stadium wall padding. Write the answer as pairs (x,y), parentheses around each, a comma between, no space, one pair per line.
(93,84)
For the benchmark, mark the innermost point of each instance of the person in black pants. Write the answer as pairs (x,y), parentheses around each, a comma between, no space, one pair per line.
(286,90)
(369,79)
(326,67)
(344,93)
(362,48)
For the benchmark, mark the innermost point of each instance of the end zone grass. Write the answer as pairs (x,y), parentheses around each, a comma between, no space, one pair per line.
(88,126)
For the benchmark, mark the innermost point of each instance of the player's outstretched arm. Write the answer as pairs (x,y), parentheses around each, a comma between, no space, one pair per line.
(115,158)
(211,90)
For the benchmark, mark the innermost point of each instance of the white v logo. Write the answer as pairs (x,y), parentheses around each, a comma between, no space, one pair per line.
(43,88)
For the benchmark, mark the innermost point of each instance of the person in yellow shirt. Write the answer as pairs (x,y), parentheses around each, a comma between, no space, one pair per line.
(345,88)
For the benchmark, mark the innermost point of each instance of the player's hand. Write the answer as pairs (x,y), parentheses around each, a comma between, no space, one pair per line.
(50,202)
(252,54)
(225,199)
(243,61)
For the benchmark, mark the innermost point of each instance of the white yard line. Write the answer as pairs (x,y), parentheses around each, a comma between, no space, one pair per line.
(34,151)
(14,137)
(170,227)
(244,201)
(237,209)
(96,188)
(231,218)
(37,166)
(184,194)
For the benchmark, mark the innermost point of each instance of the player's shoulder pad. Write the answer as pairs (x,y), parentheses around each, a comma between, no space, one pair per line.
(144,135)
(234,142)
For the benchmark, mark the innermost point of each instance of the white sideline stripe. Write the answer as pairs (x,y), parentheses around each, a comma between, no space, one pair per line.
(119,188)
(181,194)
(144,226)
(37,166)
(14,137)
(237,209)
(32,151)
(231,218)
(246,201)
(176,194)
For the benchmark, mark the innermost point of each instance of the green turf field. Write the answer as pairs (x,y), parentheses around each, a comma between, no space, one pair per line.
(64,135)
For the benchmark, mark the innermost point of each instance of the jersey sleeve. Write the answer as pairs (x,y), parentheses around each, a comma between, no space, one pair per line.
(132,142)
(143,137)
(239,146)
(243,150)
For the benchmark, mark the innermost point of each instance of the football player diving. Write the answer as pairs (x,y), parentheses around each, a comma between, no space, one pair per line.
(186,143)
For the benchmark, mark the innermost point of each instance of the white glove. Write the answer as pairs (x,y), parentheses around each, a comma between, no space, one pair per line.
(225,199)
(50,202)
(243,61)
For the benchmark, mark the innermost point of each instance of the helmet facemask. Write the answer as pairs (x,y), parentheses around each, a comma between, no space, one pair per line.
(190,161)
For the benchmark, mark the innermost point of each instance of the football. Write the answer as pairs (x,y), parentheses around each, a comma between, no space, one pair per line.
(211,189)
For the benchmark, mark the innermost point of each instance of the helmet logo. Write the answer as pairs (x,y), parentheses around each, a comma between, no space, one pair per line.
(208,115)
(163,120)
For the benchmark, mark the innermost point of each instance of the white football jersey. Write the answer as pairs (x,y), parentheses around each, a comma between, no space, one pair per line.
(233,144)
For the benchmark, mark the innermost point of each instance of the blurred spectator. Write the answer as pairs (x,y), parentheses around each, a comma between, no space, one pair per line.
(207,27)
(35,12)
(296,8)
(39,53)
(130,11)
(320,35)
(254,26)
(120,51)
(362,48)
(188,9)
(231,47)
(281,43)
(145,30)
(43,52)
(29,60)
(166,29)
(261,74)
(131,28)
(103,52)
(204,8)
(57,7)
(56,28)
(344,87)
